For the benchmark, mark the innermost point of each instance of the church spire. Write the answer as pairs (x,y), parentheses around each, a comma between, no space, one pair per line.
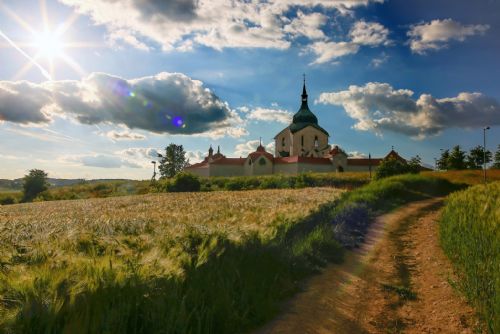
(304,91)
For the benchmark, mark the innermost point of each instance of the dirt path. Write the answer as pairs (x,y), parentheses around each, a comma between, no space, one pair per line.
(398,282)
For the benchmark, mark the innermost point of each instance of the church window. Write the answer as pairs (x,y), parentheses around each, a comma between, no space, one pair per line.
(262,161)
(316,142)
(302,140)
(283,141)
(249,162)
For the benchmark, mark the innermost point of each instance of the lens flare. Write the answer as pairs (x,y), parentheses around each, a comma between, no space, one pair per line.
(177,121)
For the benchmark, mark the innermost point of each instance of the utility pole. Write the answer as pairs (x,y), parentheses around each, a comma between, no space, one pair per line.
(484,151)
(370,164)
(153,179)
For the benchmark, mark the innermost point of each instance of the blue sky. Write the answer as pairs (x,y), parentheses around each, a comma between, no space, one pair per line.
(111,78)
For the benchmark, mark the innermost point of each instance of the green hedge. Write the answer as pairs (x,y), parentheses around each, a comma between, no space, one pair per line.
(470,236)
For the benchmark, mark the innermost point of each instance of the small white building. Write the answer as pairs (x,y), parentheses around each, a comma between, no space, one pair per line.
(300,147)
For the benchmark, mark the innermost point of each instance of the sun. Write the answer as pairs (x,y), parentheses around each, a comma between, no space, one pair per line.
(49,45)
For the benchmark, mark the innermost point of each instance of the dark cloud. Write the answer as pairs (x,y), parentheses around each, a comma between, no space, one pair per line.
(164,103)
(378,107)
(23,102)
(175,10)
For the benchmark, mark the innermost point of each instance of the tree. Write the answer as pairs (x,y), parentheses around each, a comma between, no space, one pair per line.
(414,165)
(390,167)
(443,162)
(496,160)
(33,184)
(475,158)
(456,159)
(173,161)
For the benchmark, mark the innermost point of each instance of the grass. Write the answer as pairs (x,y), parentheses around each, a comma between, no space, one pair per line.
(470,236)
(207,262)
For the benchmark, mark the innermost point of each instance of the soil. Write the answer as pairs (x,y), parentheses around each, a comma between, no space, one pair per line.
(399,281)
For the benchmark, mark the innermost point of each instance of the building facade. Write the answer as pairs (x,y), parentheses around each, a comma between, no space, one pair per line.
(300,147)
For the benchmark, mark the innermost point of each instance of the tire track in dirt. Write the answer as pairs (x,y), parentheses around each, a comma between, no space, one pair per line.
(397,282)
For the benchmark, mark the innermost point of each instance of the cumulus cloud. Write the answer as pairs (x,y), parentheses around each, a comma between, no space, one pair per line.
(361,34)
(369,33)
(356,155)
(269,115)
(164,103)
(214,23)
(379,107)
(307,25)
(195,156)
(244,149)
(435,34)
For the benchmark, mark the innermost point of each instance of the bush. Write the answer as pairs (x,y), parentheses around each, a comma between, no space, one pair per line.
(7,200)
(470,236)
(184,182)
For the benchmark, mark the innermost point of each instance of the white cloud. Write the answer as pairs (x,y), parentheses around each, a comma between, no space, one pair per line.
(377,62)
(307,25)
(100,161)
(328,51)
(435,34)
(195,156)
(215,23)
(124,135)
(356,155)
(369,33)
(244,149)
(362,34)
(270,115)
(379,107)
(163,103)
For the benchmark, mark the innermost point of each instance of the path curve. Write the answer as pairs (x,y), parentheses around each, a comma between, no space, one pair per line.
(397,282)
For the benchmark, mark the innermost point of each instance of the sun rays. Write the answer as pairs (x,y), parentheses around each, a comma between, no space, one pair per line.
(46,48)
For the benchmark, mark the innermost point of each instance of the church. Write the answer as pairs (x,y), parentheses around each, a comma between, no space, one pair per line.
(300,147)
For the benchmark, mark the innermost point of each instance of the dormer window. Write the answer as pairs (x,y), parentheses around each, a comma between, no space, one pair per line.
(316,142)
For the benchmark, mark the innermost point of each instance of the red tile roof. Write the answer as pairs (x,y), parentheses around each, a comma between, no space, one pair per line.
(364,162)
(202,164)
(229,161)
(255,155)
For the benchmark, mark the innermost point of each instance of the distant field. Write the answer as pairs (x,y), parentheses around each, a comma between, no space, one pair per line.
(466,176)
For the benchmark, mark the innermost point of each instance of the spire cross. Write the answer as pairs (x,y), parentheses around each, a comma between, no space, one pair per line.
(260,141)
(304,75)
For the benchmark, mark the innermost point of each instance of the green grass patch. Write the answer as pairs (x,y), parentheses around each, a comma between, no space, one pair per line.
(470,236)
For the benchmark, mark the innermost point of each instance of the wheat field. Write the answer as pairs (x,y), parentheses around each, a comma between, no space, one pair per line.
(153,235)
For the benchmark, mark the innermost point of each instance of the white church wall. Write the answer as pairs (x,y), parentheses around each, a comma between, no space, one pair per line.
(262,166)
(315,168)
(226,170)
(285,169)
(309,133)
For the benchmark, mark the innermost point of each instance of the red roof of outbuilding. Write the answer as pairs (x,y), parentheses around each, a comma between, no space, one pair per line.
(364,162)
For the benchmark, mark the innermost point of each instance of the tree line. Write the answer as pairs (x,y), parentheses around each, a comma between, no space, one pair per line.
(456,158)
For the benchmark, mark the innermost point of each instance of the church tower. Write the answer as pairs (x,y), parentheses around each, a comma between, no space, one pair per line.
(304,137)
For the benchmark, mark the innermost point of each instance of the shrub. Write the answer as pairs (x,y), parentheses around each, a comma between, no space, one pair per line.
(7,200)
(184,182)
(470,236)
